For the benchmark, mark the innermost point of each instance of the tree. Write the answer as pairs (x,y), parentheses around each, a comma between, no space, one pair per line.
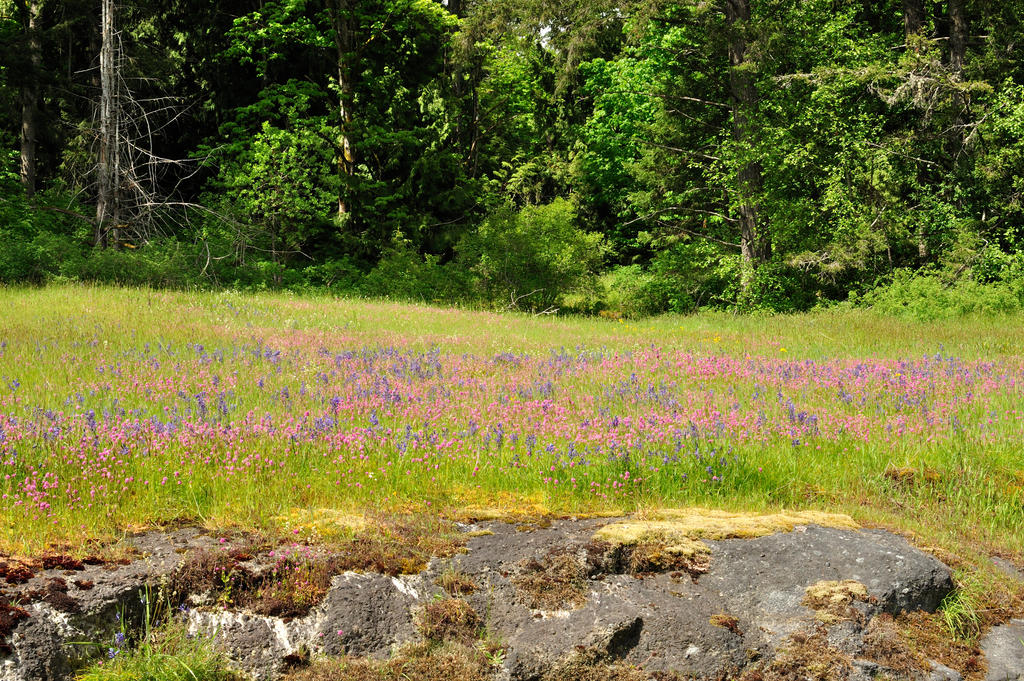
(108,157)
(30,10)
(755,244)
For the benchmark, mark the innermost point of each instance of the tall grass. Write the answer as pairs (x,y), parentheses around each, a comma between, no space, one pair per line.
(125,408)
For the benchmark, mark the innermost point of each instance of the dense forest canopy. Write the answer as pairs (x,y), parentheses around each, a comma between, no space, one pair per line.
(538,154)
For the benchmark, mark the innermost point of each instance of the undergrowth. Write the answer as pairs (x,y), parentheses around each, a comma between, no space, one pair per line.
(159,649)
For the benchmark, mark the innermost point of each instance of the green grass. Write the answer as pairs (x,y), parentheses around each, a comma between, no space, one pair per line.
(162,650)
(171,656)
(422,393)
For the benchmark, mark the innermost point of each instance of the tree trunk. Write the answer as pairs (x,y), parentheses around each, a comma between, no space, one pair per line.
(30,102)
(346,148)
(957,35)
(913,18)
(457,7)
(107,205)
(755,247)
(913,23)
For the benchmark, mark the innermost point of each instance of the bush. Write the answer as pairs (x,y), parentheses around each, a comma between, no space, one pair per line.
(404,274)
(927,297)
(532,258)
(340,275)
(778,288)
(687,275)
(634,292)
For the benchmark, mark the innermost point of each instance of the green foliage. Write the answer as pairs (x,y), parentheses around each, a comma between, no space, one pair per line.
(855,151)
(927,297)
(165,653)
(404,274)
(530,258)
(633,292)
(281,184)
(777,288)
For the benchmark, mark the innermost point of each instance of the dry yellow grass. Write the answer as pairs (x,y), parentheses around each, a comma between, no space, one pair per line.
(681,529)
(831,600)
(321,523)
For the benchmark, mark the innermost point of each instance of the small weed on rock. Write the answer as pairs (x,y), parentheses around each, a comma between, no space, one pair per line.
(726,622)
(554,582)
(449,619)
(808,657)
(456,583)
(425,662)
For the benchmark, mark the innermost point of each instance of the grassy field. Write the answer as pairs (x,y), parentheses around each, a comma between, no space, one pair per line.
(125,409)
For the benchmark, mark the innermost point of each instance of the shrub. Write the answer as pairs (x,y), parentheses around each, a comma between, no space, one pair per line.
(634,292)
(406,275)
(927,297)
(774,287)
(529,259)
(335,275)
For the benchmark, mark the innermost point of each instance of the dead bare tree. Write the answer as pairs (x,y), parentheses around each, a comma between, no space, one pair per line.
(134,186)
(108,190)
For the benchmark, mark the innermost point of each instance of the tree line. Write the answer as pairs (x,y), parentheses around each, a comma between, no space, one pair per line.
(636,156)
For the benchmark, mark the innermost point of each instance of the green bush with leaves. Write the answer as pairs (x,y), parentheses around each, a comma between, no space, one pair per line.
(404,274)
(927,297)
(632,291)
(774,287)
(278,192)
(530,258)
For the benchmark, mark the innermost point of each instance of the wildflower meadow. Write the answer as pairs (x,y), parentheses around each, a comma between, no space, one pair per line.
(128,409)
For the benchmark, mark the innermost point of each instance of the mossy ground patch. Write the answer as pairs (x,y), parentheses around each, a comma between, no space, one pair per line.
(832,601)
(681,529)
(321,523)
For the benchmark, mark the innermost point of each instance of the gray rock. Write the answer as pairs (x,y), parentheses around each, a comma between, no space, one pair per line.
(761,582)
(941,672)
(42,644)
(1008,568)
(38,645)
(256,644)
(742,610)
(366,614)
(1004,649)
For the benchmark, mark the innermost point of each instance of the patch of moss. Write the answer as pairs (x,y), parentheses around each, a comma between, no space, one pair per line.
(554,582)
(702,523)
(423,662)
(661,532)
(14,571)
(472,504)
(807,657)
(322,524)
(905,477)
(832,601)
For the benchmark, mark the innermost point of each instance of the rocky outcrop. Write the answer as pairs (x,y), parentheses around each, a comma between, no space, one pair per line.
(1004,648)
(546,594)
